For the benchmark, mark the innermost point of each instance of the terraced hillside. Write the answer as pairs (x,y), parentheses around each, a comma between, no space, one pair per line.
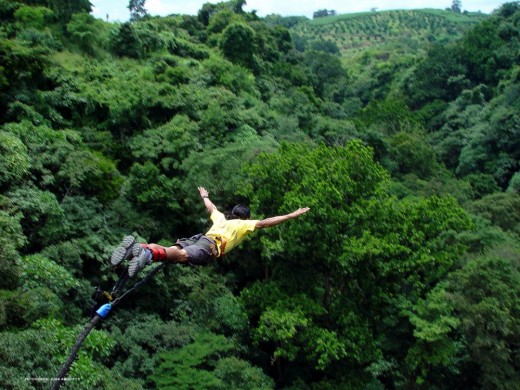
(407,29)
(378,48)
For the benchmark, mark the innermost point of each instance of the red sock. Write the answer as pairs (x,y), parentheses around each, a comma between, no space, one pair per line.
(158,254)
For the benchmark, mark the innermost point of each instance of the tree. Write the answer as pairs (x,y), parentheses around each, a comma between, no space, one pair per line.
(326,46)
(180,368)
(64,9)
(237,6)
(440,75)
(327,75)
(238,44)
(12,240)
(486,293)
(323,13)
(35,17)
(84,30)
(42,348)
(14,159)
(376,254)
(456,6)
(137,10)
(206,12)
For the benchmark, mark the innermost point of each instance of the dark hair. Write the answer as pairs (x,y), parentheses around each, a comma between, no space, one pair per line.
(240,211)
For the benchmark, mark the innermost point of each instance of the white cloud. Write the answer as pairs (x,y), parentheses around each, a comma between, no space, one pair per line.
(116,10)
(167,7)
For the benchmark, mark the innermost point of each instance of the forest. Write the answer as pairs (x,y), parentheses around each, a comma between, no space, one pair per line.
(400,131)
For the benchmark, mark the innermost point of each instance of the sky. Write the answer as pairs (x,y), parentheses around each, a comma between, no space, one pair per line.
(116,10)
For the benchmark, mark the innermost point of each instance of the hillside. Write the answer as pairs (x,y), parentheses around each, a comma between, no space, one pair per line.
(397,29)
(377,48)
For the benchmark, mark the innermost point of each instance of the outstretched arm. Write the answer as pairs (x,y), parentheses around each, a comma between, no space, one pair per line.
(273,221)
(208,203)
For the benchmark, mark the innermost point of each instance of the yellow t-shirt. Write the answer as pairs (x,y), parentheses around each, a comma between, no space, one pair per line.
(229,233)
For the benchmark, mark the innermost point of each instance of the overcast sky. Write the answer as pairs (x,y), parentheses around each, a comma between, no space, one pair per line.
(117,9)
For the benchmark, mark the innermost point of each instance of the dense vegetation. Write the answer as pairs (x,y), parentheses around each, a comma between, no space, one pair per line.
(404,274)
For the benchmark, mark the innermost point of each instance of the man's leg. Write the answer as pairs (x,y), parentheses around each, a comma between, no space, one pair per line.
(144,254)
(147,253)
(174,254)
(196,250)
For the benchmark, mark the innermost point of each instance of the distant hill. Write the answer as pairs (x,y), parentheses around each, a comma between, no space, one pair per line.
(404,29)
(377,48)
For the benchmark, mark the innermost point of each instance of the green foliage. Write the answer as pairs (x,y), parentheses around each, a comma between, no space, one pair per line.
(85,31)
(48,148)
(440,75)
(12,240)
(492,141)
(486,296)
(235,78)
(220,170)
(137,10)
(14,160)
(39,208)
(187,49)
(137,40)
(411,154)
(238,44)
(39,271)
(377,47)
(7,9)
(435,324)
(178,368)
(65,9)
(126,42)
(84,169)
(35,17)
(168,145)
(407,246)
(390,116)
(230,314)
(502,209)
(482,184)
(326,46)
(22,65)
(221,19)
(514,183)
(328,76)
(37,352)
(140,340)
(151,188)
(24,307)
(239,374)
(487,46)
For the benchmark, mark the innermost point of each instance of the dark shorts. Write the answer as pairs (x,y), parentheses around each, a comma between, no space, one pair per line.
(201,250)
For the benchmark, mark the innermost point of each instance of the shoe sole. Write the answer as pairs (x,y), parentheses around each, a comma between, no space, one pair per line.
(138,261)
(123,251)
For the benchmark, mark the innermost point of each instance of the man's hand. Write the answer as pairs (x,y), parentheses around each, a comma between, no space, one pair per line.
(300,211)
(273,221)
(208,203)
(203,192)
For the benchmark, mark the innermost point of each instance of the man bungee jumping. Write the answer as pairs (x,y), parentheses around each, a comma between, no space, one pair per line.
(224,235)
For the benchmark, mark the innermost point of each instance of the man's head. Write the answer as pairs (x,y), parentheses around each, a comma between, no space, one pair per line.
(240,211)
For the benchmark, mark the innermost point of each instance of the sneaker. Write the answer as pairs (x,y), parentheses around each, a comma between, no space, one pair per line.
(124,250)
(142,257)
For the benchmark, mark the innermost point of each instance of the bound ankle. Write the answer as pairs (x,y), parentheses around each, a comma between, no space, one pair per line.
(158,254)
